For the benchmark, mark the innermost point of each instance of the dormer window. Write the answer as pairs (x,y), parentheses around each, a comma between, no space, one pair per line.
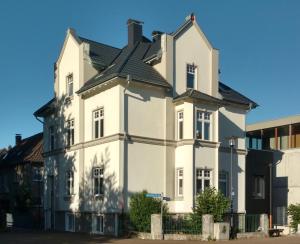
(69,85)
(191,75)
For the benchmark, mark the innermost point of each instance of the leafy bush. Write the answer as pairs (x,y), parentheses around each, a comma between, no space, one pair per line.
(210,201)
(141,208)
(294,212)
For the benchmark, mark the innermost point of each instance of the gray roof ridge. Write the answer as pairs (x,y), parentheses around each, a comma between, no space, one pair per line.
(99,43)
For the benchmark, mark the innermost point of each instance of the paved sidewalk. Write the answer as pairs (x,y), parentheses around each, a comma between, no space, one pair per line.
(30,237)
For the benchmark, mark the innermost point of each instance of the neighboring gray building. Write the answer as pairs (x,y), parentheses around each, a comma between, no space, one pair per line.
(274,143)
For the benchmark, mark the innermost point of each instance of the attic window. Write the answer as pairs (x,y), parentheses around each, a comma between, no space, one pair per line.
(191,71)
(69,80)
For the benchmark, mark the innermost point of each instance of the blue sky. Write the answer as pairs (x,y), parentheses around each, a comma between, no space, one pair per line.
(259,43)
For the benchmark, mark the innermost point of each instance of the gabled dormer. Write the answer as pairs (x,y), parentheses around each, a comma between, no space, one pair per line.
(195,61)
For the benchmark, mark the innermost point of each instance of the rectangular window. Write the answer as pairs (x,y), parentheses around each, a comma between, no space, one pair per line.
(190,76)
(203,179)
(98,178)
(180,125)
(69,183)
(203,125)
(70,132)
(223,183)
(70,222)
(37,174)
(69,85)
(51,137)
(99,224)
(98,123)
(179,176)
(259,187)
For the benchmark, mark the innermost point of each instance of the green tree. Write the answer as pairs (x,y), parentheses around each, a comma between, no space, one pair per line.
(141,208)
(210,201)
(294,212)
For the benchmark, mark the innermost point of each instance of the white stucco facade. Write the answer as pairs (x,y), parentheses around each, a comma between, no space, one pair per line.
(140,148)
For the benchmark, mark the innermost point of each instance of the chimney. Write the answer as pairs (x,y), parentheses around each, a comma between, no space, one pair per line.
(135,31)
(156,35)
(18,139)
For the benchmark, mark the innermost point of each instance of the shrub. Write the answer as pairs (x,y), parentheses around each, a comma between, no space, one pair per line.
(141,208)
(294,212)
(210,201)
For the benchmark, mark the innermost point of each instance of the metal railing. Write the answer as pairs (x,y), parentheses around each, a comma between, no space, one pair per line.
(181,224)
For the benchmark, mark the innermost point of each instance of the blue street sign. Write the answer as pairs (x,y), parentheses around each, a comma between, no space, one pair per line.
(153,195)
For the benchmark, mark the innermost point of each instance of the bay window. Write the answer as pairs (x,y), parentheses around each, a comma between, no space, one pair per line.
(203,125)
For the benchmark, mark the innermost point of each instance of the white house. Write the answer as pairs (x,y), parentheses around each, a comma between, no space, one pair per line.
(152,115)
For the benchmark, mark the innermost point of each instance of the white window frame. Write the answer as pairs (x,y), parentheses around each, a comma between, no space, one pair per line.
(191,69)
(224,180)
(179,177)
(70,132)
(98,116)
(67,222)
(259,186)
(37,174)
(98,173)
(51,138)
(69,179)
(180,119)
(201,116)
(69,84)
(95,230)
(203,175)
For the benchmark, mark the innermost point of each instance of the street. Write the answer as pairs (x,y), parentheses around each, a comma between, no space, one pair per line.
(29,237)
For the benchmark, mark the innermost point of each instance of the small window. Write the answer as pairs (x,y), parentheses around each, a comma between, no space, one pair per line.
(259,187)
(69,183)
(70,222)
(99,224)
(70,132)
(203,179)
(203,125)
(190,76)
(223,183)
(98,123)
(98,178)
(37,173)
(51,138)
(179,176)
(69,85)
(180,125)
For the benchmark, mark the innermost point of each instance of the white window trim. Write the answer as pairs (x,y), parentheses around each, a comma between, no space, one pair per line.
(203,120)
(67,222)
(95,224)
(177,182)
(70,125)
(99,118)
(195,75)
(203,177)
(178,127)
(67,85)
(71,193)
(99,168)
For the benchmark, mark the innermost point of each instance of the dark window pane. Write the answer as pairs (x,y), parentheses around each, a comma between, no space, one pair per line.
(190,80)
(96,186)
(198,186)
(206,183)
(97,129)
(206,131)
(199,130)
(101,128)
(101,186)
(180,129)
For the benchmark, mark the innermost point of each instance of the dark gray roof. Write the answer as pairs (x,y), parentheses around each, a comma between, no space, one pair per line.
(130,62)
(231,95)
(194,94)
(47,108)
(101,54)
